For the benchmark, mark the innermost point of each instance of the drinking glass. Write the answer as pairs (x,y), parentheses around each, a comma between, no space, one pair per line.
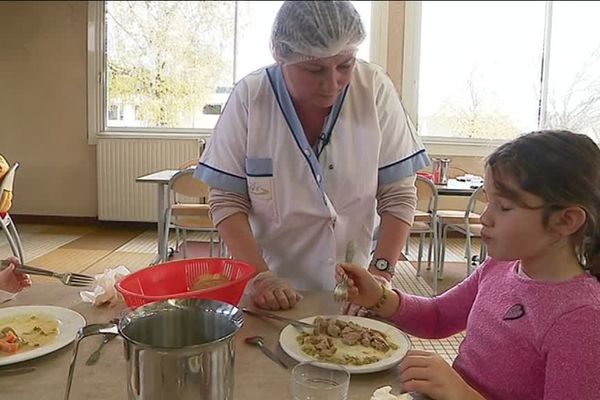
(312,381)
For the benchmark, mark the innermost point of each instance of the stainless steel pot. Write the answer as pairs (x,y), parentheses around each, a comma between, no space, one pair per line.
(181,349)
(440,170)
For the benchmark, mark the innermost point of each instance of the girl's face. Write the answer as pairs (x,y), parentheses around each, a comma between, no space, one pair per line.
(511,231)
(319,82)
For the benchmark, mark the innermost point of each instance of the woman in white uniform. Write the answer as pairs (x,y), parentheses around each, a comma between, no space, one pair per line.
(305,154)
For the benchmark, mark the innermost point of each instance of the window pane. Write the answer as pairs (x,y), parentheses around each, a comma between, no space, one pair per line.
(574,72)
(480,68)
(170,64)
(166,61)
(254,34)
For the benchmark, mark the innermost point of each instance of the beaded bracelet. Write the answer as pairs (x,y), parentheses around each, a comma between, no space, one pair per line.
(381,299)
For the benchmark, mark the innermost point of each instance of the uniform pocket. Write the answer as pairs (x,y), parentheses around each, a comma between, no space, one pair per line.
(261,187)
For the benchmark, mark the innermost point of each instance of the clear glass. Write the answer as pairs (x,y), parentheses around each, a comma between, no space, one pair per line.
(574,69)
(480,64)
(310,381)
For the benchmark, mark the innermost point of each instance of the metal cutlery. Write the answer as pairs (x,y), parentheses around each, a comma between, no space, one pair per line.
(294,322)
(95,356)
(259,341)
(340,292)
(67,278)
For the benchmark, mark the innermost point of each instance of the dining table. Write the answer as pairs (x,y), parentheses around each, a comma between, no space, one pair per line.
(256,376)
(455,187)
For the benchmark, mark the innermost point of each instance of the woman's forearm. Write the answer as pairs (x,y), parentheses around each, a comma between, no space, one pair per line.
(237,234)
(393,233)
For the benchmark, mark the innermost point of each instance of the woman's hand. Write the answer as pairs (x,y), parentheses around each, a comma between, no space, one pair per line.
(272,293)
(363,288)
(430,374)
(12,281)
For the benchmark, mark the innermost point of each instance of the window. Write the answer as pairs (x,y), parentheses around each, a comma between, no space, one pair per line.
(493,70)
(169,66)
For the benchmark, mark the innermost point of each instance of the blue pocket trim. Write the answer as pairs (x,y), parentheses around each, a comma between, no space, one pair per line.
(401,169)
(259,167)
(214,177)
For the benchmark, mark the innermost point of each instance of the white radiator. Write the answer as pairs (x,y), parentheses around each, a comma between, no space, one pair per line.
(121,161)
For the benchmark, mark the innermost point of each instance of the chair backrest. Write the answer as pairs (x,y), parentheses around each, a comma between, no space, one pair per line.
(189,164)
(183,183)
(477,202)
(427,195)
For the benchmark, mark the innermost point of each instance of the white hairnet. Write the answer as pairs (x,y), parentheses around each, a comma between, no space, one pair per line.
(305,30)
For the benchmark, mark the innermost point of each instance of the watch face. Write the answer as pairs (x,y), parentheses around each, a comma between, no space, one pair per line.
(381,264)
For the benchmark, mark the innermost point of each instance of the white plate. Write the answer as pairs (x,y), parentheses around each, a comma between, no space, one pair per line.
(69,323)
(288,342)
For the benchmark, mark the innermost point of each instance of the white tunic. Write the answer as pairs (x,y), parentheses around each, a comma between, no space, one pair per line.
(306,204)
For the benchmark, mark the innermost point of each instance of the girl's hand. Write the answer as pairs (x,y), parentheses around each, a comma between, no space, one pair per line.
(363,289)
(430,374)
(12,281)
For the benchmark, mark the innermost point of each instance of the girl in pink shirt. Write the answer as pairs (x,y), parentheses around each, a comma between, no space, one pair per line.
(532,310)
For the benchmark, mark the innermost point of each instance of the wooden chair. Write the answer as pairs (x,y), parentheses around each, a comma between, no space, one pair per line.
(466,222)
(425,221)
(187,209)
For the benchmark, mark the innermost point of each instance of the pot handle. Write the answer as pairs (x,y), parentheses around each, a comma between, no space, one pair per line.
(88,330)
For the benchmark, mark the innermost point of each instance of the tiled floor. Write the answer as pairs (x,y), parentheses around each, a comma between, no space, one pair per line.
(92,250)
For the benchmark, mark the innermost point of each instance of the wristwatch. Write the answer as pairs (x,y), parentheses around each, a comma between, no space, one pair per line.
(383,265)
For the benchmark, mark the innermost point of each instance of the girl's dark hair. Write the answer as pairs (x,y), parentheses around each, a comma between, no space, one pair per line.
(563,168)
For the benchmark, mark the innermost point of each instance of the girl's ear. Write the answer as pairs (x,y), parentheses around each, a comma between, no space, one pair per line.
(568,220)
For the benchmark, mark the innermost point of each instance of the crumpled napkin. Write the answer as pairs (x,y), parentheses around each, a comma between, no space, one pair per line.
(383,393)
(6,296)
(104,290)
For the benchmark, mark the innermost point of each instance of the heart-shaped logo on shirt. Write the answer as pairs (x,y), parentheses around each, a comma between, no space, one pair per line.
(514,312)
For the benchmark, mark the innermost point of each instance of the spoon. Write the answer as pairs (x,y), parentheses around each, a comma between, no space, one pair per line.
(259,341)
(340,292)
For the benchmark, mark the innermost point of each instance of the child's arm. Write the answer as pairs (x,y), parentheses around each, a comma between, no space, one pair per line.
(425,317)
(572,352)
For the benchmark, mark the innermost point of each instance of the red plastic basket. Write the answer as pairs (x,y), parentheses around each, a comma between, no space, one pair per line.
(174,279)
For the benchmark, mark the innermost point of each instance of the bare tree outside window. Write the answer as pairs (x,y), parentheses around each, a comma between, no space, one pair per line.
(574,74)
(480,73)
(165,59)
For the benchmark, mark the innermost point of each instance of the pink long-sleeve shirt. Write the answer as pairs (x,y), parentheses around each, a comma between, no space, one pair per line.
(525,339)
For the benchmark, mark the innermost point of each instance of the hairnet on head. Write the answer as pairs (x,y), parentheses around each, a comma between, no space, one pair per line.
(306,30)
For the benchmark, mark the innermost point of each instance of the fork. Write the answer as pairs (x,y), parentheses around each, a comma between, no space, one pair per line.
(67,278)
(340,292)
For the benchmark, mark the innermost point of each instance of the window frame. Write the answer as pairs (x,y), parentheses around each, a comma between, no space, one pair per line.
(410,73)
(96,77)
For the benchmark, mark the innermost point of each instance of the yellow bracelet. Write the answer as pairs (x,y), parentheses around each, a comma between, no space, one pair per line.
(382,299)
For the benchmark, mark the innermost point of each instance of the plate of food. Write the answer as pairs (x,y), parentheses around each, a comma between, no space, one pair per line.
(361,345)
(28,332)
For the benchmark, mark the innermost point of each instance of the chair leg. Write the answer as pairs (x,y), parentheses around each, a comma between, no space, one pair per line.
(9,237)
(211,245)
(406,245)
(420,254)
(429,250)
(184,232)
(443,251)
(17,238)
(435,242)
(166,235)
(468,250)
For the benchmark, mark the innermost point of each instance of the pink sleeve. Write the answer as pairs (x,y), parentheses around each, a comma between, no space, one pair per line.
(441,316)
(572,352)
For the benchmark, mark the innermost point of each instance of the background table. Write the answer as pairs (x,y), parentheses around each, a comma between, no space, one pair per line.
(161,178)
(457,188)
